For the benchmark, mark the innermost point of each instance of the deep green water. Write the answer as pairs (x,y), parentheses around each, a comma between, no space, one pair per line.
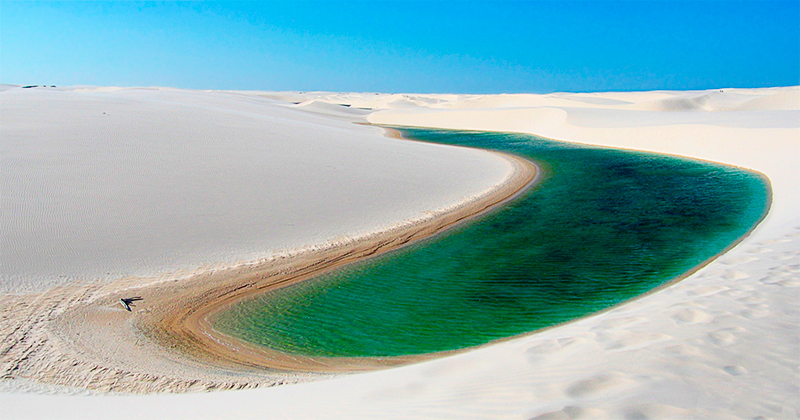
(601,227)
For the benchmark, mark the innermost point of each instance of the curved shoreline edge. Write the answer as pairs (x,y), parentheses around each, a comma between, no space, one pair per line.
(195,330)
(79,335)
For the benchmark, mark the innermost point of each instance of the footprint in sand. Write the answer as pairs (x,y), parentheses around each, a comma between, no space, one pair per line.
(599,384)
(727,336)
(734,275)
(701,291)
(711,275)
(753,300)
(543,347)
(691,316)
(571,412)
(770,279)
(784,271)
(755,313)
(571,341)
(777,274)
(785,276)
(789,283)
(653,411)
(735,370)
(636,340)
(620,323)
(682,350)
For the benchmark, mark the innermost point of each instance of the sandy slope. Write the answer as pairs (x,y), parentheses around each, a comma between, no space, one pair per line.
(180,197)
(102,183)
(724,343)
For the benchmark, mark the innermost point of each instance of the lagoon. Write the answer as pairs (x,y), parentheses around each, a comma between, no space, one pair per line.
(600,227)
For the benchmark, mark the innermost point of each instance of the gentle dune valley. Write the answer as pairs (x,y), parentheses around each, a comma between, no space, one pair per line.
(182,202)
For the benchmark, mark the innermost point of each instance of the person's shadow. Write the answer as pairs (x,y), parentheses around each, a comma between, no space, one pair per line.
(126,302)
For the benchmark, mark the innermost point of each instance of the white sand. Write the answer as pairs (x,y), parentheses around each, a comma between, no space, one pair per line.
(724,343)
(110,183)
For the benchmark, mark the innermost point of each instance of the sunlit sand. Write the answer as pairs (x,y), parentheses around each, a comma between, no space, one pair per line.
(289,174)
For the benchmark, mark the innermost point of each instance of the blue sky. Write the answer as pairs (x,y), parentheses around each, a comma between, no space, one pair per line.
(408,46)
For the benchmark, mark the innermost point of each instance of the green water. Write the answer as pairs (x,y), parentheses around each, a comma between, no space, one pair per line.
(601,227)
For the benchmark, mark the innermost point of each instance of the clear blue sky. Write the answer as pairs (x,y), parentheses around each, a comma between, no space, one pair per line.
(408,46)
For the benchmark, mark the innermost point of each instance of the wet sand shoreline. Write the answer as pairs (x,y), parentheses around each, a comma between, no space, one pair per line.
(195,328)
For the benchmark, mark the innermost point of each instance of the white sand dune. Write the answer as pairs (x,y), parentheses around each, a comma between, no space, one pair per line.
(110,183)
(724,343)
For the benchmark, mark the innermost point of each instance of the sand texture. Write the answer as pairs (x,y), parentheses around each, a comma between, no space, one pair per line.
(106,184)
(723,343)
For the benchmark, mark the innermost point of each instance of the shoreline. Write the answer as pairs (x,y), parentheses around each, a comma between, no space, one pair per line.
(194,328)
(167,344)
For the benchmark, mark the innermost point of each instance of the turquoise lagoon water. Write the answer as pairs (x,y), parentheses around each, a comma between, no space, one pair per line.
(602,226)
